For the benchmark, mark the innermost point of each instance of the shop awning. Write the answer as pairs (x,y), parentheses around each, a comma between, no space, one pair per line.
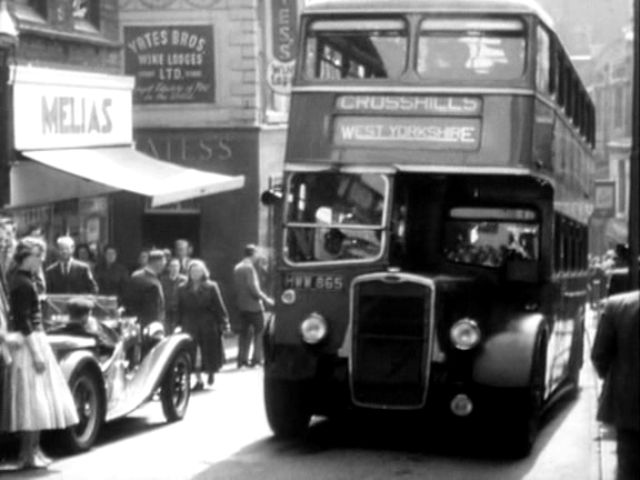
(123,168)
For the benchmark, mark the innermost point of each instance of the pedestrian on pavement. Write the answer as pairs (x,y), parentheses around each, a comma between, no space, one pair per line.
(69,275)
(183,251)
(36,396)
(202,314)
(85,255)
(111,275)
(7,245)
(144,297)
(616,357)
(250,300)
(143,260)
(172,280)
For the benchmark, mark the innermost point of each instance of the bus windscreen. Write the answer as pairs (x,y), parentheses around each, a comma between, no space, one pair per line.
(335,217)
(470,49)
(355,49)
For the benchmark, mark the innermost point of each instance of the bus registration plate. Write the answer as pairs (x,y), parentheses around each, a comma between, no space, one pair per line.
(307,281)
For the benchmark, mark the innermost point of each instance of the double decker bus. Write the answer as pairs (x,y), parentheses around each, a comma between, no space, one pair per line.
(431,228)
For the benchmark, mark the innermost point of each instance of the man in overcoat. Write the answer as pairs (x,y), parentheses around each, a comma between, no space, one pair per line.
(616,357)
(69,275)
(144,297)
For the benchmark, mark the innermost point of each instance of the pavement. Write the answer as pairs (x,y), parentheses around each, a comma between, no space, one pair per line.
(230,343)
(606,438)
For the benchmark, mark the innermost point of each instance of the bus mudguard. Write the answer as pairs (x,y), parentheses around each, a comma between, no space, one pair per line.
(506,356)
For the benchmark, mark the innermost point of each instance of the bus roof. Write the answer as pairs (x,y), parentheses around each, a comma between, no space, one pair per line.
(466,6)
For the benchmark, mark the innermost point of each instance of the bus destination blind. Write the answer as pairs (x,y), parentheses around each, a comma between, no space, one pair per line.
(437,133)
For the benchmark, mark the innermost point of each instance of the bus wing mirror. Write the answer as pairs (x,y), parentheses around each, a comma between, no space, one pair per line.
(271,196)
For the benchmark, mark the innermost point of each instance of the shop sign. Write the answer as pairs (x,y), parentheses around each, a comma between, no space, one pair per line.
(54,109)
(604,198)
(171,64)
(280,76)
(400,132)
(284,26)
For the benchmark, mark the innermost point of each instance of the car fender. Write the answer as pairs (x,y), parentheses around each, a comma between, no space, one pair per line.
(506,356)
(148,376)
(157,361)
(79,360)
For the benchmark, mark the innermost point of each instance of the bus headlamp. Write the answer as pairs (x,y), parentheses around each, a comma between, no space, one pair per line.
(288,297)
(465,334)
(313,328)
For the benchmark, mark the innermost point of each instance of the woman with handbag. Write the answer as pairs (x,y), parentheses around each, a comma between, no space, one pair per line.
(203,314)
(35,396)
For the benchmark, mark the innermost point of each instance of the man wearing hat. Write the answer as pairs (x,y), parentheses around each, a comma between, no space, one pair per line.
(144,297)
(80,318)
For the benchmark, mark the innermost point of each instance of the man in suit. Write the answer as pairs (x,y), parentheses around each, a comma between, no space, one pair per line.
(183,251)
(249,300)
(144,297)
(616,357)
(69,275)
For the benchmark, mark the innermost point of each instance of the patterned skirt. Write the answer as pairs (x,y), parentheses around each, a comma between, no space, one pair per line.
(34,401)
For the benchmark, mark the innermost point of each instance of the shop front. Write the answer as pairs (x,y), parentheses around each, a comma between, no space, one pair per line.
(76,171)
(217,226)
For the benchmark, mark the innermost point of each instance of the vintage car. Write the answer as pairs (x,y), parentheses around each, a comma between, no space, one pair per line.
(115,367)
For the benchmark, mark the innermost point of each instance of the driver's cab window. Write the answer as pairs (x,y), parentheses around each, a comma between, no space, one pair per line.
(335,216)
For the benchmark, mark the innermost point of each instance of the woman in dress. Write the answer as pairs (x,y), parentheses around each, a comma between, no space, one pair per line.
(203,314)
(35,396)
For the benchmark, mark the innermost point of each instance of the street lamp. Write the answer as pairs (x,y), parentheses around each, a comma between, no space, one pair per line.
(8,42)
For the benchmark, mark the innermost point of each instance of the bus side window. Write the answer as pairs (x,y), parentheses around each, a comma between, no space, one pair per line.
(543,61)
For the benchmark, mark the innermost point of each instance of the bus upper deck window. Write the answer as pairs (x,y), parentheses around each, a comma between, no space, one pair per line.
(355,49)
(471,49)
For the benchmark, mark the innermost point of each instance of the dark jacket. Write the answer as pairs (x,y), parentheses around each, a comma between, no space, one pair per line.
(247,287)
(25,305)
(144,298)
(203,307)
(616,357)
(79,279)
(112,279)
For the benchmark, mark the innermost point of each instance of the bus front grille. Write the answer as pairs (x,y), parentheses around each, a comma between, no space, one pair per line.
(392,329)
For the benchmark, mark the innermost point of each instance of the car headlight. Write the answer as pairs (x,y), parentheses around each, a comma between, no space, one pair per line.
(313,328)
(465,334)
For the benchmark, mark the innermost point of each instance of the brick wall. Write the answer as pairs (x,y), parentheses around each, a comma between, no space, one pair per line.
(52,40)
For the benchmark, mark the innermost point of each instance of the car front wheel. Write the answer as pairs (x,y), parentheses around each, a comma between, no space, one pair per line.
(176,388)
(85,390)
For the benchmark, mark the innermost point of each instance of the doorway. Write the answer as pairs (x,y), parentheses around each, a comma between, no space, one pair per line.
(162,230)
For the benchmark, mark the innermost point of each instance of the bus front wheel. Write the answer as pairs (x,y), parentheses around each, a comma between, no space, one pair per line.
(287,407)
(524,428)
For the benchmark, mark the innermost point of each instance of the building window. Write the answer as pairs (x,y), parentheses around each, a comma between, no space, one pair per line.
(86,15)
(618,106)
(622,186)
(31,10)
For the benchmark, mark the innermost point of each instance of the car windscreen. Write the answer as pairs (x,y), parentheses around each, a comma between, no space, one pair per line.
(355,49)
(471,49)
(335,216)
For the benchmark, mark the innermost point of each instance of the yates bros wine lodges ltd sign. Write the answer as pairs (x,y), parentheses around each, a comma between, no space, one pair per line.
(171,64)
(431,122)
